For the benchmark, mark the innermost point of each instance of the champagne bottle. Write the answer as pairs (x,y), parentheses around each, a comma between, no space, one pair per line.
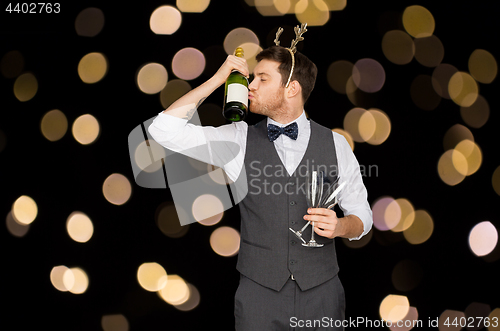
(235,107)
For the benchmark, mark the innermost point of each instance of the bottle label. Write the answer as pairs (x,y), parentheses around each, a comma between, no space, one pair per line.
(237,92)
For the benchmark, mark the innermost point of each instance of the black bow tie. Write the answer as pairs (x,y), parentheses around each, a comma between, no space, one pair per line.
(291,130)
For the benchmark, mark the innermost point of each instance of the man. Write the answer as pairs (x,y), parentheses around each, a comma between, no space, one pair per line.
(283,285)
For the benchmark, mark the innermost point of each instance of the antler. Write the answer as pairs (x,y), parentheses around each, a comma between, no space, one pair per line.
(278,34)
(298,34)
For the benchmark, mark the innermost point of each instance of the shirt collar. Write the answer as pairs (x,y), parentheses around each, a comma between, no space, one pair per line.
(301,121)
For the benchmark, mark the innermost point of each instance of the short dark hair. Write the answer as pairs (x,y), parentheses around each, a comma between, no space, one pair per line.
(305,71)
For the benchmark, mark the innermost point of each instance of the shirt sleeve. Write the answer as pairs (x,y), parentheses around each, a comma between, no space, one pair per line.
(353,197)
(222,146)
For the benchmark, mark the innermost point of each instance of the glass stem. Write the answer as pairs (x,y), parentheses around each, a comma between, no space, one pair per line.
(312,233)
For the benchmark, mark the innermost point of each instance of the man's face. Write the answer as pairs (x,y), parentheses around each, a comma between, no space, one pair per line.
(266,94)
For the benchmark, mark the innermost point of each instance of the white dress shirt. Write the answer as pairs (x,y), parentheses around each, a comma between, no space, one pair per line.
(179,136)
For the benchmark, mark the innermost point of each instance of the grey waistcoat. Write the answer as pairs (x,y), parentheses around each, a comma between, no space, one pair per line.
(269,252)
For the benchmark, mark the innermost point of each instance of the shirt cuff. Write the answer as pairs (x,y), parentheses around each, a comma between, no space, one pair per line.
(366,218)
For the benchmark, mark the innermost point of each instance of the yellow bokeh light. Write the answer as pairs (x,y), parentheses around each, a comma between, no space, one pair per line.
(24,210)
(312,12)
(450,315)
(441,78)
(192,302)
(334,5)
(56,278)
(483,66)
(85,129)
(346,135)
(25,87)
(152,276)
(494,316)
(455,135)
(81,280)
(398,47)
(447,170)
(477,114)
(418,21)
(176,290)
(117,189)
(207,209)
(367,126)
(463,89)
(237,37)
(54,125)
(409,322)
(15,228)
(92,68)
(429,51)
(421,229)
(174,89)
(192,6)
(495,180)
(351,123)
(89,22)
(79,227)
(188,63)
(152,78)
(472,154)
(338,74)
(394,307)
(379,210)
(382,127)
(168,221)
(407,214)
(165,20)
(272,7)
(483,238)
(116,322)
(225,241)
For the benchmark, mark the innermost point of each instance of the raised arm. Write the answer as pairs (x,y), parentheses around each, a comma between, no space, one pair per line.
(185,106)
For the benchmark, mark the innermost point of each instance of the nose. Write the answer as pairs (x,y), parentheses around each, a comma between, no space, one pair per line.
(252,86)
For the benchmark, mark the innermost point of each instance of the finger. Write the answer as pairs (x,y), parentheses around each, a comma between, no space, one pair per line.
(321,211)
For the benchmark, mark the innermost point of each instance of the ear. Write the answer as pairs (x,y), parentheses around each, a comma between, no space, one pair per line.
(294,89)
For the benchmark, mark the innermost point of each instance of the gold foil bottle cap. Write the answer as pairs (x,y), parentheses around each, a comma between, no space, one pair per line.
(239,52)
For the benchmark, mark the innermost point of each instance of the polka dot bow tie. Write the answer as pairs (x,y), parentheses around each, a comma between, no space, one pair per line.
(291,130)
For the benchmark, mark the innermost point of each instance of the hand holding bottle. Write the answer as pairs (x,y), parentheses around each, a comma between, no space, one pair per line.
(232,63)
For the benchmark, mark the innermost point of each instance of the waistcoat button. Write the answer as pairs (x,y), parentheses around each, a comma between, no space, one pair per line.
(292,203)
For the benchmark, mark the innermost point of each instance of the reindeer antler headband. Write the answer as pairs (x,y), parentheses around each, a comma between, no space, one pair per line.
(292,49)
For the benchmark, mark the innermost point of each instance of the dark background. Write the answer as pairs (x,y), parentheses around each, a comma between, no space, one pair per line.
(65,176)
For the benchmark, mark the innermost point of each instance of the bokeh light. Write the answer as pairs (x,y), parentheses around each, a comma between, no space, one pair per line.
(143,152)
(418,21)
(429,51)
(237,37)
(15,228)
(152,78)
(92,68)
(382,127)
(116,322)
(338,74)
(483,66)
(165,20)
(225,241)
(483,238)
(368,75)
(472,154)
(89,22)
(406,211)
(463,89)
(192,302)
(79,227)
(117,189)
(312,12)
(54,125)
(384,218)
(192,6)
(421,229)
(450,316)
(477,114)
(455,135)
(394,307)
(409,322)
(12,64)
(176,290)
(495,180)
(85,129)
(24,210)
(360,124)
(25,87)
(272,7)
(335,5)
(207,209)
(398,47)
(152,276)
(80,279)
(447,167)
(188,63)
(174,89)
(441,79)
(168,221)
(56,278)
(494,316)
